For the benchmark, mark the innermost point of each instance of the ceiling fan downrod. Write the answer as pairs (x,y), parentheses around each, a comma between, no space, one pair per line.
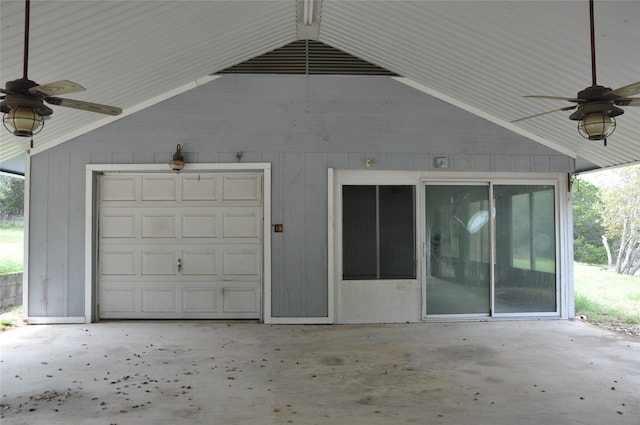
(593,45)
(25,64)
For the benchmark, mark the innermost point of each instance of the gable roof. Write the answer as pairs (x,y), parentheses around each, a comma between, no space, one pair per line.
(479,55)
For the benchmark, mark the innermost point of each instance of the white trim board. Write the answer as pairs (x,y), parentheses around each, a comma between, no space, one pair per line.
(64,320)
(299,321)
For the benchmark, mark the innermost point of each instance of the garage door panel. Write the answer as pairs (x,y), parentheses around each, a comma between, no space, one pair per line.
(241,188)
(159,263)
(159,188)
(118,299)
(241,224)
(118,225)
(200,300)
(159,300)
(200,263)
(240,262)
(199,225)
(119,262)
(200,188)
(240,300)
(118,188)
(158,225)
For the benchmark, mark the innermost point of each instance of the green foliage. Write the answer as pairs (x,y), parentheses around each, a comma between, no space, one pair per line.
(589,253)
(587,208)
(11,247)
(587,229)
(621,218)
(11,197)
(7,323)
(10,265)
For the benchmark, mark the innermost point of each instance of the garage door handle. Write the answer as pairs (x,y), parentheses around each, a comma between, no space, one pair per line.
(179,264)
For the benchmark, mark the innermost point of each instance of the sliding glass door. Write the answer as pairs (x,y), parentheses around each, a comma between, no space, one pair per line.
(525,260)
(457,249)
(487,257)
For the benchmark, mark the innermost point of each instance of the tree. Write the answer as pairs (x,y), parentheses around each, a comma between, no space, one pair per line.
(11,197)
(587,227)
(621,219)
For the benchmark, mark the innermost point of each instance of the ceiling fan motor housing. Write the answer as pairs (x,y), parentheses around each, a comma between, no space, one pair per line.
(593,92)
(20,96)
(17,101)
(596,107)
(21,85)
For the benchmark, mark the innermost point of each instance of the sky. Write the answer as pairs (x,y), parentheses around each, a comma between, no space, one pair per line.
(603,178)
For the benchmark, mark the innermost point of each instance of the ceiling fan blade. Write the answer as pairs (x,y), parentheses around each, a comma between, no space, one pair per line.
(634,101)
(85,106)
(625,91)
(57,88)
(569,99)
(566,108)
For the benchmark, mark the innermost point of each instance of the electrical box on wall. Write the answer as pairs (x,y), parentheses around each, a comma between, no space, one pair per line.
(441,162)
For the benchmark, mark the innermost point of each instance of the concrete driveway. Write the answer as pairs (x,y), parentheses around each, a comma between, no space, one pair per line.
(204,372)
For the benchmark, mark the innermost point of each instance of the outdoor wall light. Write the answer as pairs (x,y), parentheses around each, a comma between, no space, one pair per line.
(177,163)
(23,121)
(597,126)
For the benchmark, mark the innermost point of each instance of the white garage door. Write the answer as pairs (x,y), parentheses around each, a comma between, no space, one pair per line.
(180,246)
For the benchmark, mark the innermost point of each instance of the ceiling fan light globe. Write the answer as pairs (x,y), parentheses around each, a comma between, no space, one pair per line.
(23,122)
(597,126)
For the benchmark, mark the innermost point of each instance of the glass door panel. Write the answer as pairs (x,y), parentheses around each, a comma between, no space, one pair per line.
(525,270)
(457,249)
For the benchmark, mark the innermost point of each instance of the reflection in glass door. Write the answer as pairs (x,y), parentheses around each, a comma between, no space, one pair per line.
(458,273)
(525,262)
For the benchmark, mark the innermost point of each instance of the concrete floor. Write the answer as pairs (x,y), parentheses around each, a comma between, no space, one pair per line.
(203,372)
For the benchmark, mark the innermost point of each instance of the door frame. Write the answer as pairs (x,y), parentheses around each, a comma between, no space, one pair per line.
(91,228)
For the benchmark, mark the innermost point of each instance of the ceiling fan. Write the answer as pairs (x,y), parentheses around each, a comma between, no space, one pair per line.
(596,106)
(23,100)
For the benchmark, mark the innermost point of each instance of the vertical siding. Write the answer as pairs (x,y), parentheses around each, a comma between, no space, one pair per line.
(315,238)
(38,241)
(295,223)
(76,233)
(56,277)
(302,126)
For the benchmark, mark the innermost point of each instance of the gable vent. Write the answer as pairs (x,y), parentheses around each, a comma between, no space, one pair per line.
(307,57)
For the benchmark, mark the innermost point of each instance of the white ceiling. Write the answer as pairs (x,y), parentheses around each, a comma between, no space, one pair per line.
(479,55)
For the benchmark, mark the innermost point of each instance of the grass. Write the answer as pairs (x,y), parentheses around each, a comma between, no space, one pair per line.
(542,264)
(9,317)
(11,247)
(606,297)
